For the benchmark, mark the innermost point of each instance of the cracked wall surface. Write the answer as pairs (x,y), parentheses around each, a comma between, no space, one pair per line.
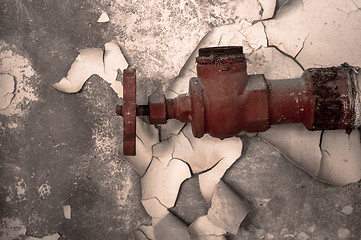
(59,152)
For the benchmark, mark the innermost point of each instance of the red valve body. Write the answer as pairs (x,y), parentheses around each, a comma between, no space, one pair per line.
(234,101)
(224,100)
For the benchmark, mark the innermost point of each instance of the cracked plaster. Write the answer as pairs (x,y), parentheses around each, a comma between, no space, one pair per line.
(20,68)
(7,86)
(261,58)
(256,52)
(312,36)
(105,63)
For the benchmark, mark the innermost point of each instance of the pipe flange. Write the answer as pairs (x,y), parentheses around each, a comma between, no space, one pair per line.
(129,111)
(197,106)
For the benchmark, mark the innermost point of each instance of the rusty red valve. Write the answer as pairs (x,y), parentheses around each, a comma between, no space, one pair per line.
(224,100)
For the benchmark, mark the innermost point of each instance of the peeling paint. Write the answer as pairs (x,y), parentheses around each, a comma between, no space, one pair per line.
(332,157)
(152,31)
(104,63)
(154,207)
(162,181)
(54,236)
(7,87)
(19,67)
(67,211)
(103,18)
(314,36)
(146,137)
(287,137)
(139,235)
(44,190)
(170,227)
(20,187)
(227,210)
(148,231)
(203,227)
(11,228)
(196,151)
(177,146)
(268,8)
(251,37)
(273,64)
(348,209)
(341,153)
(343,233)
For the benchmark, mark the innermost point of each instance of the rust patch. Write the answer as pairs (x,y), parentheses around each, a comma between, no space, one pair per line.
(331,101)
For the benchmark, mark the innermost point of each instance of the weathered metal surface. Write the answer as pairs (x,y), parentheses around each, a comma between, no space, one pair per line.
(157,109)
(129,111)
(197,106)
(223,100)
(332,109)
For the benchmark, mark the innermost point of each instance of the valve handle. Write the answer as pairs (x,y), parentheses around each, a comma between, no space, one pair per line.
(129,111)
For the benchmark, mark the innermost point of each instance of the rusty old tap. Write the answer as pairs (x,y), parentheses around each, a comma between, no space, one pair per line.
(224,100)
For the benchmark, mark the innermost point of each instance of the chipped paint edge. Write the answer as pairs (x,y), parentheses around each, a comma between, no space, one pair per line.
(357,79)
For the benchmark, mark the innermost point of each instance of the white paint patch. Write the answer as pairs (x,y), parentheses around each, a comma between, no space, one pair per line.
(11,228)
(154,208)
(347,210)
(54,236)
(103,63)
(67,211)
(227,210)
(20,68)
(20,188)
(12,125)
(202,226)
(123,192)
(148,231)
(7,87)
(318,38)
(343,233)
(341,153)
(163,180)
(44,190)
(103,18)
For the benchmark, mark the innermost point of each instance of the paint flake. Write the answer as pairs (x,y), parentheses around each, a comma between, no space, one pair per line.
(7,88)
(162,181)
(14,64)
(297,144)
(54,236)
(44,190)
(340,164)
(202,227)
(103,63)
(103,18)
(154,208)
(227,210)
(170,227)
(314,36)
(67,211)
(11,228)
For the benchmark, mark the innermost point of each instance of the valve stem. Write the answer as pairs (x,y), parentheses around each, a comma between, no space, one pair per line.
(142,110)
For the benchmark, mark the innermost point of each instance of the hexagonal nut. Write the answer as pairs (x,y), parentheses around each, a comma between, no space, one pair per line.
(157,109)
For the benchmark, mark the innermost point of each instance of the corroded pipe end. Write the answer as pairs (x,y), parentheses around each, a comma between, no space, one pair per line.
(357,82)
(220,51)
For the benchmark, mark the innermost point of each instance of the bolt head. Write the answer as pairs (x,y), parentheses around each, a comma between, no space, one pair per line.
(157,109)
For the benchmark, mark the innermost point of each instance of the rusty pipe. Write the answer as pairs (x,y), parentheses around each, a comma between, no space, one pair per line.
(224,100)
